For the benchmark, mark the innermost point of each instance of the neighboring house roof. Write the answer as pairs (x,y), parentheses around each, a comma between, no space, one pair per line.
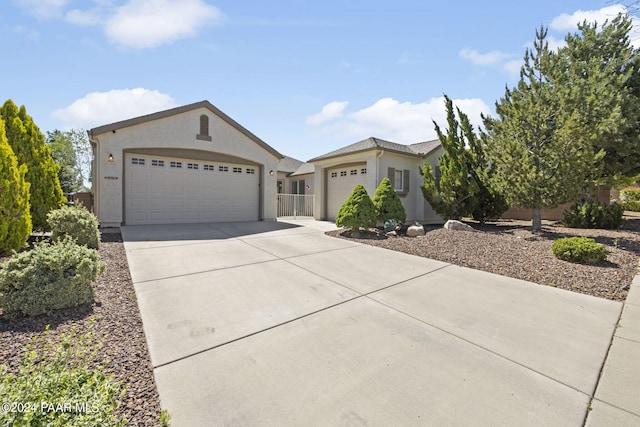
(415,150)
(289,164)
(179,110)
(425,148)
(304,169)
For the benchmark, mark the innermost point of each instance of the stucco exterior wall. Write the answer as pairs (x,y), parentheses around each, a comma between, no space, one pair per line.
(170,133)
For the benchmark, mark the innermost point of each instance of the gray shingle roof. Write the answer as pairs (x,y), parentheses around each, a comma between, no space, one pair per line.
(418,150)
(289,164)
(304,169)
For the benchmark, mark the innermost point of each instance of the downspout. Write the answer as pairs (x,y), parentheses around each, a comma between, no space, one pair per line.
(378,166)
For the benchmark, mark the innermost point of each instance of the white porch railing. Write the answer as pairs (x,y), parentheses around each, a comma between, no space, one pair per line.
(295,205)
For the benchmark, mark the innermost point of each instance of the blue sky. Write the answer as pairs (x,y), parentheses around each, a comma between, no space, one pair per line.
(307,77)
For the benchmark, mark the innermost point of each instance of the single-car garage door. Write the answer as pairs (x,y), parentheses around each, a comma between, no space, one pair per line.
(163,190)
(341,182)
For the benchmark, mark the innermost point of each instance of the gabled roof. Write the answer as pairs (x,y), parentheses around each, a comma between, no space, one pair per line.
(371,143)
(289,164)
(179,110)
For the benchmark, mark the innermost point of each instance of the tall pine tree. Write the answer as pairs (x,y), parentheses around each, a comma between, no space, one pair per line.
(30,149)
(600,73)
(537,146)
(15,218)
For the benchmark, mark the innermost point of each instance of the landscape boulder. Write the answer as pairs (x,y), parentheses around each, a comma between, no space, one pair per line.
(415,230)
(452,224)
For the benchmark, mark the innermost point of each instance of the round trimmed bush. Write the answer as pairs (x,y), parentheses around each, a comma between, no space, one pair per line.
(76,222)
(387,203)
(357,211)
(48,278)
(582,250)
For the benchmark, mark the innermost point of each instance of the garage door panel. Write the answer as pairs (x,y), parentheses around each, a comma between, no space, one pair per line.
(340,184)
(158,193)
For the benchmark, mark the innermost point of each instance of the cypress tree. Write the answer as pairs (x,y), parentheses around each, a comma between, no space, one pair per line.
(452,194)
(15,218)
(387,203)
(30,149)
(357,211)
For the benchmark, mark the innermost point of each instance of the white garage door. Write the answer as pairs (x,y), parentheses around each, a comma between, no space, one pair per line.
(341,182)
(163,190)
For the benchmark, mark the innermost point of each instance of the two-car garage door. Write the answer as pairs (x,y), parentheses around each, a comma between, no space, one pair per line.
(162,190)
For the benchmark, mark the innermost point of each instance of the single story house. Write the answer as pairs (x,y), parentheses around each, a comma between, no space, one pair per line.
(369,161)
(187,164)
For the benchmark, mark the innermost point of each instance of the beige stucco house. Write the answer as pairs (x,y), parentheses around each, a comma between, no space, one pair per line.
(368,162)
(187,164)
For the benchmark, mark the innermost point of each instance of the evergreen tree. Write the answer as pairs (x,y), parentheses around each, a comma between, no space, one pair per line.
(357,211)
(600,73)
(537,146)
(452,195)
(64,154)
(15,218)
(387,203)
(30,149)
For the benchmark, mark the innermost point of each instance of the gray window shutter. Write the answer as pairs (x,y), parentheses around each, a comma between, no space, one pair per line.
(391,174)
(405,181)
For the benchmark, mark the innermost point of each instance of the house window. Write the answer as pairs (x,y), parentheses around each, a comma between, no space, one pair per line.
(223,168)
(280,186)
(334,174)
(204,128)
(298,187)
(159,163)
(343,173)
(192,166)
(398,180)
(251,171)
(137,161)
(363,171)
(237,170)
(175,165)
(208,167)
(353,172)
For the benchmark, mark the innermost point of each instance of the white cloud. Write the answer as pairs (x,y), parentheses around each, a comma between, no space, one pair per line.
(402,122)
(329,112)
(101,108)
(83,17)
(513,67)
(489,58)
(143,24)
(569,22)
(43,9)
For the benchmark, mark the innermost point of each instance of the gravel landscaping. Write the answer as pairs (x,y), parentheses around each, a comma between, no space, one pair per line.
(116,315)
(509,248)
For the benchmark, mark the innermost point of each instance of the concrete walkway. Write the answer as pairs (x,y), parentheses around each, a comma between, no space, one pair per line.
(278,324)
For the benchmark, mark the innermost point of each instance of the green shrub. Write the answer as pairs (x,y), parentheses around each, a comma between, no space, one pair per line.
(47,278)
(58,387)
(387,203)
(15,216)
(357,211)
(579,249)
(76,222)
(630,205)
(630,194)
(591,214)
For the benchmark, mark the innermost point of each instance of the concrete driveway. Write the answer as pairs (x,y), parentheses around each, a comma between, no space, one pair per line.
(277,324)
